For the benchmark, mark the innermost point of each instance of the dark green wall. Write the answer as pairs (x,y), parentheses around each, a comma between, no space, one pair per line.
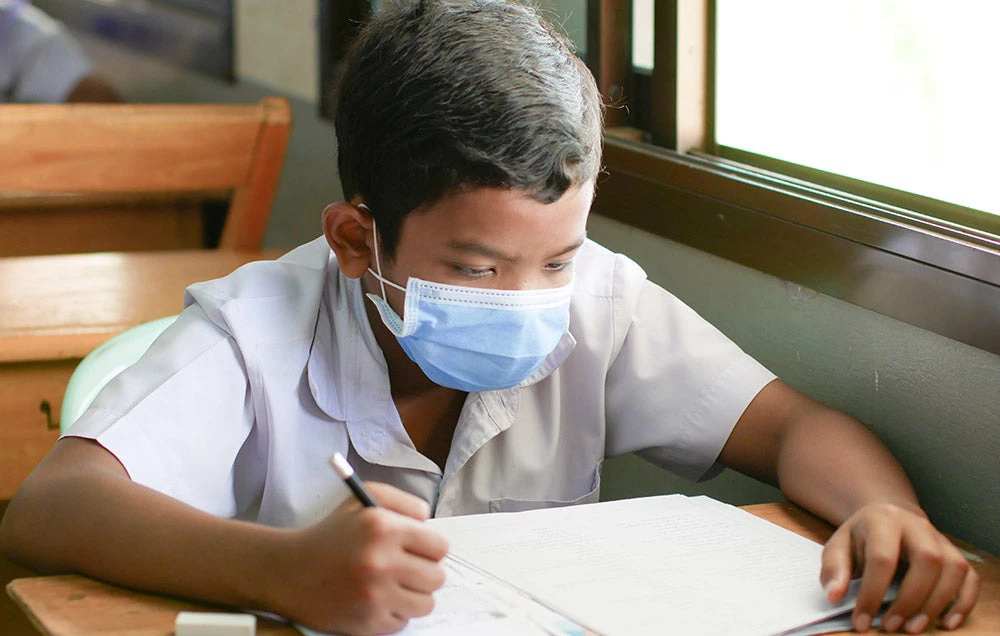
(934,401)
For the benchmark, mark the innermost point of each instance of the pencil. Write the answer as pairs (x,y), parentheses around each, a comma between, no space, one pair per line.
(347,473)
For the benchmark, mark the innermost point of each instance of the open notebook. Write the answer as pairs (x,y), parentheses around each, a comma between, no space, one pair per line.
(656,565)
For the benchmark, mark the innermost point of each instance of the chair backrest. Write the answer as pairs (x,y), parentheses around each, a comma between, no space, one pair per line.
(151,149)
(104,363)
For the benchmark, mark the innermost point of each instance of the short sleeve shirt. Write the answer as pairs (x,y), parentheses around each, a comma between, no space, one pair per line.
(238,406)
(39,61)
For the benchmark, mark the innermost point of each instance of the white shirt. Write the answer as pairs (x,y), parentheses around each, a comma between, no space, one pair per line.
(39,61)
(240,403)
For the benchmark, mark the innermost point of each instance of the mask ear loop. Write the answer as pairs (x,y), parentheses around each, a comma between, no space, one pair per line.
(378,265)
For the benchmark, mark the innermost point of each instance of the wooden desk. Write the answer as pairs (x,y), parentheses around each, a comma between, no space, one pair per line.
(54,310)
(78,606)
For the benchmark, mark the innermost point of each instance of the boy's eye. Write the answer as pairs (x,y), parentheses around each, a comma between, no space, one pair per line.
(473,272)
(559,267)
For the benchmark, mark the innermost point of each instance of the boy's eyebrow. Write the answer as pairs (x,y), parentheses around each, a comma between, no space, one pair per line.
(479,248)
(569,248)
(489,252)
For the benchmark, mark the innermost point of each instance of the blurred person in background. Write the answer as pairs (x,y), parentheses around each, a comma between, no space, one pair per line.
(41,62)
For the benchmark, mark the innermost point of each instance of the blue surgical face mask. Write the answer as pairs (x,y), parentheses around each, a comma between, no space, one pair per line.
(474,339)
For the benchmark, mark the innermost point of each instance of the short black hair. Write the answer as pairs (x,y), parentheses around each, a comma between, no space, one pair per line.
(443,96)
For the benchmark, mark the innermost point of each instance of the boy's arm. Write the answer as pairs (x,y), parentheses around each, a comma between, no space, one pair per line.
(829,463)
(360,570)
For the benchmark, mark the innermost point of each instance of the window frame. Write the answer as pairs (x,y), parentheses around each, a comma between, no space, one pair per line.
(931,264)
(339,22)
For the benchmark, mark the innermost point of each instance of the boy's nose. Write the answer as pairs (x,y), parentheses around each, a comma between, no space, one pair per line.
(525,283)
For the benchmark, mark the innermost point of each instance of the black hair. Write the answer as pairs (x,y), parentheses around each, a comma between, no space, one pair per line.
(442,96)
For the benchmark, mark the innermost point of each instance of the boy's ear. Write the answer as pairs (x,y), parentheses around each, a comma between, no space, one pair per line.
(348,230)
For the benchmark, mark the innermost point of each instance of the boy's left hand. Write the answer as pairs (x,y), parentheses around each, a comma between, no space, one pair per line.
(877,540)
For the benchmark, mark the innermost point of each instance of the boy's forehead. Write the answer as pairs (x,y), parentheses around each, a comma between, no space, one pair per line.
(576,198)
(499,217)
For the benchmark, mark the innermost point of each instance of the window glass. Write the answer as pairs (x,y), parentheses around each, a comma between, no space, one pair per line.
(902,93)
(642,34)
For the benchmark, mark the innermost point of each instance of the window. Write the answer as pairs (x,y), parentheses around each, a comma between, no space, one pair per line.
(833,143)
(891,92)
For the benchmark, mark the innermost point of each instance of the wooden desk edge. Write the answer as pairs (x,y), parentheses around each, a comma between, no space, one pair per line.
(161,610)
(25,607)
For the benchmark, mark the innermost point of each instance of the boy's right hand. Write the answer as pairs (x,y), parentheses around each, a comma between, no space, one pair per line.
(362,570)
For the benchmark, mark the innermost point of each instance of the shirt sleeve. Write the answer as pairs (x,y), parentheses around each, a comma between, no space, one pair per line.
(677,387)
(48,62)
(178,419)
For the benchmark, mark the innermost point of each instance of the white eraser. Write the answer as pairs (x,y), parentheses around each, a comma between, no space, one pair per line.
(215,624)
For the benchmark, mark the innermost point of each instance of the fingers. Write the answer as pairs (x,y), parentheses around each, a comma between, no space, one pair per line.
(419,574)
(416,539)
(399,501)
(835,575)
(421,541)
(406,605)
(965,600)
(925,574)
(938,580)
(879,547)
(406,549)
(411,593)
(394,584)
(411,604)
(952,571)
(387,530)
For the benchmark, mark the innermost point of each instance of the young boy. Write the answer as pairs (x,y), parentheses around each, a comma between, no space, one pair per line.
(458,338)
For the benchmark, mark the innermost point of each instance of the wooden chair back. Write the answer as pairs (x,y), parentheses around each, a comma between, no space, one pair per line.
(47,151)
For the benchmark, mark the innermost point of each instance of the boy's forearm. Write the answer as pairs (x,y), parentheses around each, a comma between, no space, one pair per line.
(831,464)
(88,523)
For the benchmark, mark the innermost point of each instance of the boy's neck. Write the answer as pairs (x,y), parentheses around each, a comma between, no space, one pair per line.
(429,412)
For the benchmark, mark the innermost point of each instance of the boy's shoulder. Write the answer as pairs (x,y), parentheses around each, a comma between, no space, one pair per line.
(276,297)
(602,273)
(294,274)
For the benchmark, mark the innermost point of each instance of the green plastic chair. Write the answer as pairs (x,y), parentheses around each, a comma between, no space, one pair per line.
(104,363)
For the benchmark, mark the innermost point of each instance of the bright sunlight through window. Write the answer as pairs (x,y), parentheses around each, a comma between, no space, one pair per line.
(902,93)
(642,34)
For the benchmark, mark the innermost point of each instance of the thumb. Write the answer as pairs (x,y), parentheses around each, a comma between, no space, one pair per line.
(835,575)
(397,500)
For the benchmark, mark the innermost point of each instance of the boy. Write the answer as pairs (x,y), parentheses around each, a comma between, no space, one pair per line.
(456,336)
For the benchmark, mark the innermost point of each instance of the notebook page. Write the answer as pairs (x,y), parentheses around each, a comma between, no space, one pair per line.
(669,564)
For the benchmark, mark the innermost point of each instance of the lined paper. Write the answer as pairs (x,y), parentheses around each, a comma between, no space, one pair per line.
(669,564)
